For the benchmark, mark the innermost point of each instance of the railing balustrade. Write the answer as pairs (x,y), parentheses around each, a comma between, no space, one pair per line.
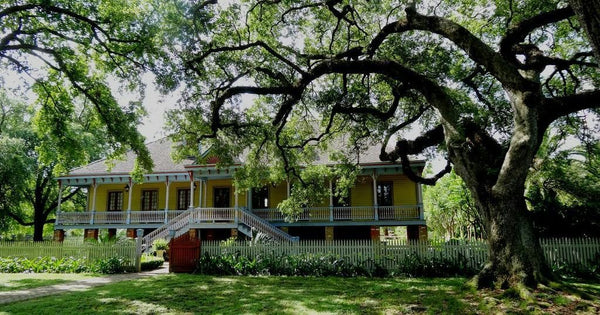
(315,214)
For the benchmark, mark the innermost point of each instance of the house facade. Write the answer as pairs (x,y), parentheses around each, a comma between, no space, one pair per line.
(186,197)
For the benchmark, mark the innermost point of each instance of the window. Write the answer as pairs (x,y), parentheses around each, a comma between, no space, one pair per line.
(183,199)
(384,194)
(260,198)
(221,197)
(115,201)
(149,200)
(340,201)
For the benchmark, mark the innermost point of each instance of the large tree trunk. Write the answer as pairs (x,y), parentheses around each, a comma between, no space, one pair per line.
(515,255)
(38,230)
(496,178)
(588,13)
(39,220)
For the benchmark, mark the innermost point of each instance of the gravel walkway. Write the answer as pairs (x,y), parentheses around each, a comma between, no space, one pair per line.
(80,285)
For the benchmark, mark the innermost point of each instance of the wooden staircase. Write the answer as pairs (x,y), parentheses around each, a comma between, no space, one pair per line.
(245,221)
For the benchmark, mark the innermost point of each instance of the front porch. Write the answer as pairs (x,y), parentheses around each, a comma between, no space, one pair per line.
(331,216)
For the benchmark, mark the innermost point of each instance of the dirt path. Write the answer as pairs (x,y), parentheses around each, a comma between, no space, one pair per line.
(73,286)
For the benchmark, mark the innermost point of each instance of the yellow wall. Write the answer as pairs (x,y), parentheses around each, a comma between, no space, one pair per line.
(405,190)
(136,198)
(220,183)
(277,194)
(361,194)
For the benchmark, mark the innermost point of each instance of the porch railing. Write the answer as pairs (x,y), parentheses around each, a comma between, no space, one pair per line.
(315,214)
(364,213)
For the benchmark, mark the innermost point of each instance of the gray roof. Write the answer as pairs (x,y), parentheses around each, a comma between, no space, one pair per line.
(160,151)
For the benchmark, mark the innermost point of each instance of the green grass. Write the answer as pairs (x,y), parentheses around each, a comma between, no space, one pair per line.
(21,281)
(298,295)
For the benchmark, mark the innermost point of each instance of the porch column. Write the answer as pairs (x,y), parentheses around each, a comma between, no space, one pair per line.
(205,193)
(249,199)
(130,193)
(94,201)
(59,202)
(191,189)
(375,205)
(235,195)
(167,200)
(199,193)
(331,201)
(420,201)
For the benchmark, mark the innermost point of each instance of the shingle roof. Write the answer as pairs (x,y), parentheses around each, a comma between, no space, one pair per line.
(160,151)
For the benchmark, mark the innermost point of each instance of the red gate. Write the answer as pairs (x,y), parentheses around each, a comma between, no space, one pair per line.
(184,252)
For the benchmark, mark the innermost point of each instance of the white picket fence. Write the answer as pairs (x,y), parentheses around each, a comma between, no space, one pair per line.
(91,252)
(575,252)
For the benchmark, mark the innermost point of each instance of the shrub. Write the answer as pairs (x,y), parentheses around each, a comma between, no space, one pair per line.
(151,262)
(112,265)
(43,265)
(160,244)
(329,265)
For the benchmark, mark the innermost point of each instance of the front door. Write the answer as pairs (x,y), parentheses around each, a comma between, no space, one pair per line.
(221,197)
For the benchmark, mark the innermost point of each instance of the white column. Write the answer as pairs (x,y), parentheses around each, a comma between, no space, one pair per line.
(420,201)
(167,200)
(331,200)
(94,196)
(94,201)
(129,195)
(235,193)
(199,193)
(59,201)
(249,199)
(205,195)
(375,205)
(191,190)
(288,188)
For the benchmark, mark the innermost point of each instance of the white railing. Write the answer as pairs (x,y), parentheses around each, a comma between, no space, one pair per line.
(147,217)
(361,213)
(213,215)
(253,221)
(179,224)
(110,217)
(409,212)
(71,218)
(315,214)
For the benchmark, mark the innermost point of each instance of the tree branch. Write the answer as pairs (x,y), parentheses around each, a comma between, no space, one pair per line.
(553,108)
(476,49)
(517,33)
(404,148)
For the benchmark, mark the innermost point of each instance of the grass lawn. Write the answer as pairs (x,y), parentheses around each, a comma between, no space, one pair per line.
(184,293)
(22,281)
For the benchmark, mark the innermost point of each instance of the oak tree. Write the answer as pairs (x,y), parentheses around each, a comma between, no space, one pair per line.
(482,80)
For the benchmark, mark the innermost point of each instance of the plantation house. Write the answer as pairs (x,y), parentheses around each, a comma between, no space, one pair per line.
(201,200)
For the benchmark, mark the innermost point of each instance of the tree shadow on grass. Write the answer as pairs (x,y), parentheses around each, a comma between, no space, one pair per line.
(264,295)
(23,284)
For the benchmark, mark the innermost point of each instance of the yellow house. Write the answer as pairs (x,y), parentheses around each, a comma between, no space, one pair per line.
(184,197)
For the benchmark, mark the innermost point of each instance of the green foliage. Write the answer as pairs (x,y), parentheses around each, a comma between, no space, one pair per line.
(160,244)
(451,211)
(563,190)
(112,265)
(44,265)
(72,55)
(328,265)
(151,262)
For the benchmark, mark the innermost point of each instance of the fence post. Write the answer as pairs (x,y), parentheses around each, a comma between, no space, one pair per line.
(138,251)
